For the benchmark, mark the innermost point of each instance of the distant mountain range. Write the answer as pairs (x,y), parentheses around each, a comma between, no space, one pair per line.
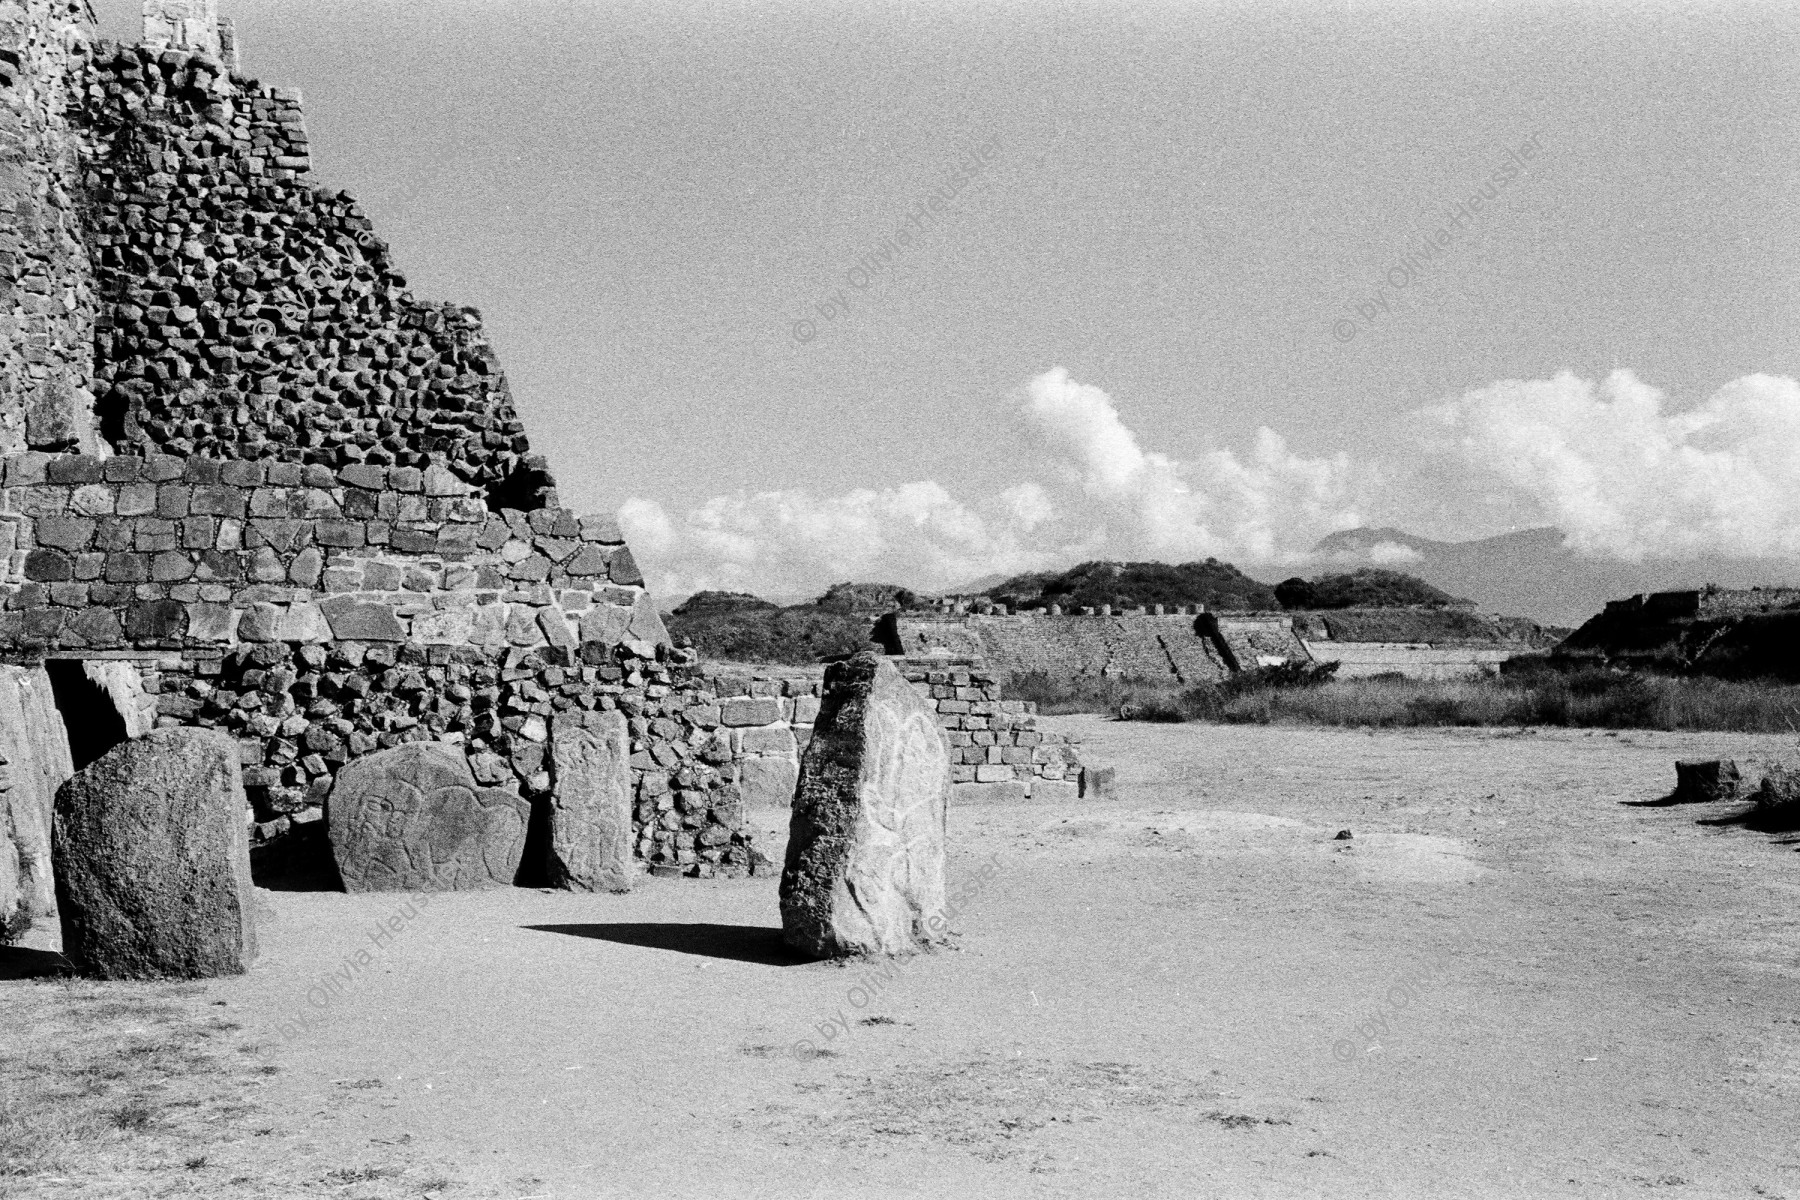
(1531,573)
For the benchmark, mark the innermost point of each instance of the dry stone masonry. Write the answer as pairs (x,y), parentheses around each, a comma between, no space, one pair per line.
(251,484)
(47,303)
(997,752)
(243,468)
(1191,647)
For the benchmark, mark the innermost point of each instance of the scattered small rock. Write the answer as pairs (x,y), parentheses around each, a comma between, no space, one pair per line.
(1704,781)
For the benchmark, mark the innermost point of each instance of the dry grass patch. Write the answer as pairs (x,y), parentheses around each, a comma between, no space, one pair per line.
(1585,699)
(103,1080)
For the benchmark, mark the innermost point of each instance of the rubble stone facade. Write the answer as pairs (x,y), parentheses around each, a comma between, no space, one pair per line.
(997,752)
(1189,648)
(240,460)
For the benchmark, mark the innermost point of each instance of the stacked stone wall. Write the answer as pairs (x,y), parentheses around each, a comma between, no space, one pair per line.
(318,616)
(1188,648)
(997,752)
(249,315)
(170,553)
(764,718)
(47,306)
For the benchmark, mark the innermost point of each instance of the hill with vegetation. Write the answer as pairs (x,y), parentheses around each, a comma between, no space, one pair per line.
(1218,585)
(1371,587)
(738,627)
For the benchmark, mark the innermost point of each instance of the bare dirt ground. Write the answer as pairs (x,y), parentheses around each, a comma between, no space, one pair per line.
(1509,982)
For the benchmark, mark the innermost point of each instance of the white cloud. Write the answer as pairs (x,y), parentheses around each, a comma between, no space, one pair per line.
(1624,476)
(1392,554)
(1094,492)
(1608,462)
(792,542)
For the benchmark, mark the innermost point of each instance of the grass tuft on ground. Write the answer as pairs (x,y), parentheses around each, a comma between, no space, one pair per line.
(1586,699)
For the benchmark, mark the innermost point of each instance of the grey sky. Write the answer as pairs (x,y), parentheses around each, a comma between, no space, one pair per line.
(643,198)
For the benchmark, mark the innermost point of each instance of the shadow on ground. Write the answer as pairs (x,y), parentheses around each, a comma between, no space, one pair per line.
(740,943)
(21,962)
(1668,801)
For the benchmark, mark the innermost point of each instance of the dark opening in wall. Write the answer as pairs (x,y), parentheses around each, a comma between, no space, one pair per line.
(94,724)
(527,489)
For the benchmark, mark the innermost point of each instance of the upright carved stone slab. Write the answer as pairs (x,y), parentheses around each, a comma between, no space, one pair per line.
(153,861)
(413,819)
(865,857)
(35,746)
(590,807)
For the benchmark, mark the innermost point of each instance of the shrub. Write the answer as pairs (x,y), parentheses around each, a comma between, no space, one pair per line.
(798,635)
(1218,585)
(1370,587)
(1055,695)
(1777,801)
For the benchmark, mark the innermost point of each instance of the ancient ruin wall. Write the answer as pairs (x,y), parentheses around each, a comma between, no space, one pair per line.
(997,751)
(1190,649)
(246,314)
(1745,633)
(46,286)
(306,513)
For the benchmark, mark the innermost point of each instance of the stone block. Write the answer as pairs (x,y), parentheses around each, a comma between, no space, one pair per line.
(622,568)
(343,534)
(163,468)
(768,782)
(217,501)
(49,566)
(590,809)
(556,627)
(75,469)
(450,626)
(1054,791)
(152,860)
(865,857)
(65,533)
(1701,782)
(242,472)
(646,625)
(606,624)
(603,528)
(94,627)
(136,500)
(1009,792)
(590,561)
(157,622)
(439,481)
(749,710)
(27,470)
(355,620)
(57,412)
(774,741)
(365,475)
(413,818)
(171,566)
(259,623)
(210,622)
(304,623)
(94,500)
